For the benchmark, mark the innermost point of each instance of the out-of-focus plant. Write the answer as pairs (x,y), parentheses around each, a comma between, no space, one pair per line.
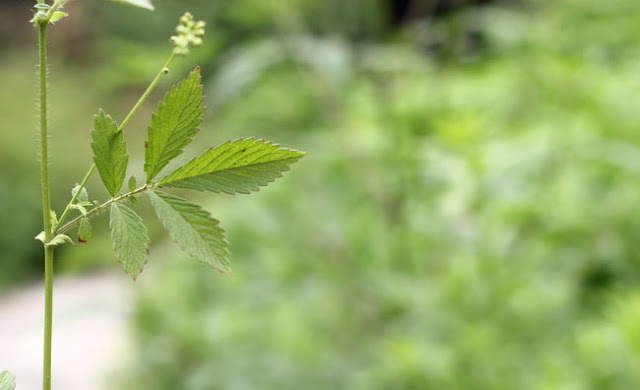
(470,226)
(240,166)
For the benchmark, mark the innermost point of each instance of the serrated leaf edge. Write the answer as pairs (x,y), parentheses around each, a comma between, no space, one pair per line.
(162,103)
(167,180)
(146,233)
(225,268)
(100,172)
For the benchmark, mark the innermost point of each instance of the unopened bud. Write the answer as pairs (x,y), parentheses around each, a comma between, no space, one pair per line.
(189,33)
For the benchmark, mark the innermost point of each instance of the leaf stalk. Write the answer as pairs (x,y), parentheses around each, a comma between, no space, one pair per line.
(98,209)
(145,95)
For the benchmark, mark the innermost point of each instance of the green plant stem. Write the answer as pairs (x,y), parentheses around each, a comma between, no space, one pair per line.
(145,95)
(74,198)
(44,146)
(48,315)
(98,209)
(46,207)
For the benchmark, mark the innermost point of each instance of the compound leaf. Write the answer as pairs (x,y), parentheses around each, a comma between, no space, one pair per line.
(7,381)
(130,239)
(174,124)
(109,152)
(193,228)
(240,166)
(137,3)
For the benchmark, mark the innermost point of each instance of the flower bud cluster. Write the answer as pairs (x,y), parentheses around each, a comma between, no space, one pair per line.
(190,33)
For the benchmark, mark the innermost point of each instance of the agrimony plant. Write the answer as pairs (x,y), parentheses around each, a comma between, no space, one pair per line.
(240,166)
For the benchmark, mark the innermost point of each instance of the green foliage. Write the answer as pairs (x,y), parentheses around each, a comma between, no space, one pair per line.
(172,128)
(174,124)
(130,238)
(109,152)
(239,166)
(133,184)
(82,197)
(471,225)
(193,229)
(58,15)
(84,230)
(59,239)
(7,381)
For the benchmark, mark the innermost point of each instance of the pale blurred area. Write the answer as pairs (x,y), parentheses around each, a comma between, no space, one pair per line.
(467,216)
(90,331)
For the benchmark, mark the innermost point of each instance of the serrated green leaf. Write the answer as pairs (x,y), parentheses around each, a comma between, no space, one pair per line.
(240,166)
(7,381)
(137,3)
(60,239)
(57,16)
(194,229)
(109,152)
(84,195)
(130,238)
(133,183)
(174,124)
(84,231)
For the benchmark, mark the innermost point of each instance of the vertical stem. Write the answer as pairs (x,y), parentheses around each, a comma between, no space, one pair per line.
(48,316)
(46,207)
(44,141)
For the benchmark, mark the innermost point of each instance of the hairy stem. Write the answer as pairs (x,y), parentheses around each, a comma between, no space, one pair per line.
(46,207)
(44,141)
(48,315)
(98,209)
(145,95)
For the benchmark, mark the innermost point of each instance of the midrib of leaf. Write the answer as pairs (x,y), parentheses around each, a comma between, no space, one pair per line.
(239,166)
(130,238)
(174,124)
(193,228)
(175,138)
(110,152)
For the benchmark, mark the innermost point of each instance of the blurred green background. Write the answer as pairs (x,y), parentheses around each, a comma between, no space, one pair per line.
(465,219)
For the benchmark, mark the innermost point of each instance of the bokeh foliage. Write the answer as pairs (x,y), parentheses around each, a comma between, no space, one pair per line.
(465,219)
(459,224)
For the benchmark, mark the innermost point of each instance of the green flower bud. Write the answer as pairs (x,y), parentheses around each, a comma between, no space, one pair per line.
(189,33)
